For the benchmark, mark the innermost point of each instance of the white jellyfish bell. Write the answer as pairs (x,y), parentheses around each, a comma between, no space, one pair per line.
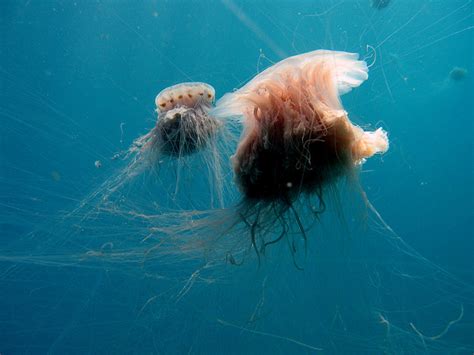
(184,125)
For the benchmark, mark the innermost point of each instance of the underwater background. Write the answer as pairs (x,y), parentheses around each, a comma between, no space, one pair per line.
(77,83)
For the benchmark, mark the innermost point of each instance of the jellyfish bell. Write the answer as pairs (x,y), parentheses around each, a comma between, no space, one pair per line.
(189,94)
(184,125)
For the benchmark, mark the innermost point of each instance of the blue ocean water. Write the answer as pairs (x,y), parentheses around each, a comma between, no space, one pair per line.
(78,82)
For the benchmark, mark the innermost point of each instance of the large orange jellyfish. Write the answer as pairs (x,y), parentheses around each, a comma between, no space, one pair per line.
(298,139)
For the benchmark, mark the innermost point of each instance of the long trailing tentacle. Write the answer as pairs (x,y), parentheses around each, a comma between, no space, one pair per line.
(253,232)
(285,228)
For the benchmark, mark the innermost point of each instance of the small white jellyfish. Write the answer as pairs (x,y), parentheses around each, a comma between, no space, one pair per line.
(184,125)
(183,140)
(380,4)
(457,73)
(98,164)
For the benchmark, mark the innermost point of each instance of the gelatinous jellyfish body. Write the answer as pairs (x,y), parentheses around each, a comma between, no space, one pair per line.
(457,73)
(298,139)
(184,125)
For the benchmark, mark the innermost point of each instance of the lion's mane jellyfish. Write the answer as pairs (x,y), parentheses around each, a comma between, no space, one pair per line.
(298,139)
